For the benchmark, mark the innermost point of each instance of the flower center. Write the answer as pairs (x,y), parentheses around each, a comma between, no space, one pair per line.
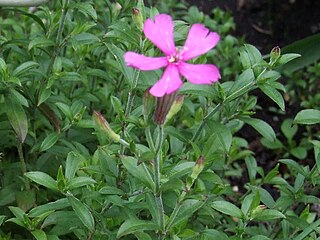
(174,58)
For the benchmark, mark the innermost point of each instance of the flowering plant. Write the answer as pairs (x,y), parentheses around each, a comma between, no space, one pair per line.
(199,41)
(80,157)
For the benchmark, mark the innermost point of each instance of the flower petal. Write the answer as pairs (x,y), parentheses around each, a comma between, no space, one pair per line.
(169,82)
(160,32)
(199,41)
(199,73)
(144,63)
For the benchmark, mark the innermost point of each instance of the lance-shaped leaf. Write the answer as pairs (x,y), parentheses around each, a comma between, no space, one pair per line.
(17,117)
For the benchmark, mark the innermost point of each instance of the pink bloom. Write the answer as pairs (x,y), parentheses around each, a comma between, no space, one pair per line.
(199,41)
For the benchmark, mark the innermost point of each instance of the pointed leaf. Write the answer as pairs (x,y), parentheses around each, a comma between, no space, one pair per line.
(227,208)
(140,172)
(49,141)
(17,117)
(82,212)
(261,126)
(43,179)
(274,94)
(39,234)
(307,116)
(134,225)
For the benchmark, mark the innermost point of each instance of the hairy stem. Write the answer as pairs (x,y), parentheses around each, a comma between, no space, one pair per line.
(57,49)
(23,164)
(209,115)
(129,105)
(157,178)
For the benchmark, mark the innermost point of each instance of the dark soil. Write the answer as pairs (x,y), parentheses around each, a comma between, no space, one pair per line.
(269,23)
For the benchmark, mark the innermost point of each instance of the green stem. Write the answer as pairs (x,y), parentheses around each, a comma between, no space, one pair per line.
(149,139)
(58,38)
(157,178)
(208,116)
(129,105)
(23,165)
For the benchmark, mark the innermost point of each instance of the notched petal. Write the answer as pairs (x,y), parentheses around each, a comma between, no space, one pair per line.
(199,41)
(160,32)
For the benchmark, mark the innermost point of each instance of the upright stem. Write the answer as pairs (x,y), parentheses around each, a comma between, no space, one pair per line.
(23,164)
(157,178)
(129,105)
(59,37)
(209,115)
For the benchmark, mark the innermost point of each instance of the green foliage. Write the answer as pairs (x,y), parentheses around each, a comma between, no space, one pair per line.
(82,159)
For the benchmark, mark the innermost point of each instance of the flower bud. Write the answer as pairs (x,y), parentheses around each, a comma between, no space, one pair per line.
(116,8)
(255,212)
(137,18)
(275,55)
(163,106)
(103,127)
(175,108)
(198,167)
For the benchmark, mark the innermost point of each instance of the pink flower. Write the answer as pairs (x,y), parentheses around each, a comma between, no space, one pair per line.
(199,41)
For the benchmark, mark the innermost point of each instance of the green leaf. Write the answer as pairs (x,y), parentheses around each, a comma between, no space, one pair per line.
(211,234)
(222,133)
(243,84)
(87,9)
(267,215)
(197,90)
(306,232)
(65,109)
(18,213)
(142,236)
(33,16)
(180,169)
(39,234)
(64,220)
(307,116)
(45,93)
(309,48)
(140,172)
(4,69)
(274,94)
(84,39)
(299,152)
(249,56)
(134,225)
(227,208)
(72,163)
(2,218)
(294,165)
(43,179)
(185,211)
(108,190)
(285,58)
(24,68)
(259,237)
(288,129)
(48,207)
(122,31)
(40,43)
(49,141)
(82,211)
(118,55)
(17,117)
(79,182)
(261,126)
